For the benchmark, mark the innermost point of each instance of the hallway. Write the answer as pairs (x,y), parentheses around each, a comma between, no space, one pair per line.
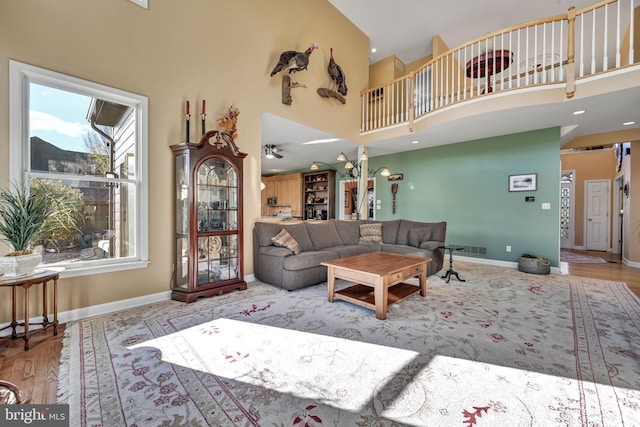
(614,269)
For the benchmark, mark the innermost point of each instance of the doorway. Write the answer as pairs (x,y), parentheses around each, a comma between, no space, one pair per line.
(348,200)
(597,215)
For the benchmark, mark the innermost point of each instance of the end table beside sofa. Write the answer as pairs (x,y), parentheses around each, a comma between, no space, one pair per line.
(327,240)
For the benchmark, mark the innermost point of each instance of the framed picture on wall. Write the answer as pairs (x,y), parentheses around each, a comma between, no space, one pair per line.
(526,182)
(347,196)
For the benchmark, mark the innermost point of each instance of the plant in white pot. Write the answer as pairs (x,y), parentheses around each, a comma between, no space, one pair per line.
(23,214)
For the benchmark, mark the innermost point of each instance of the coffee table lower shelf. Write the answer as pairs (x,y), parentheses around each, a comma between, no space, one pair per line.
(364,296)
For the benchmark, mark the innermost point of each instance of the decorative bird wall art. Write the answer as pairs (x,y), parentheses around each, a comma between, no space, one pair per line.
(292,61)
(338,80)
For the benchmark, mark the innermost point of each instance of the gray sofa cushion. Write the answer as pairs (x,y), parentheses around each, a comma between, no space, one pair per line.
(351,250)
(275,251)
(308,259)
(402,237)
(390,230)
(419,235)
(323,234)
(349,231)
(265,231)
(439,231)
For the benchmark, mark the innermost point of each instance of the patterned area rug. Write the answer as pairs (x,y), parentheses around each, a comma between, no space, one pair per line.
(504,348)
(572,257)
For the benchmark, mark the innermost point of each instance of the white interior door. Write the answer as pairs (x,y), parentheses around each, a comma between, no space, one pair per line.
(597,215)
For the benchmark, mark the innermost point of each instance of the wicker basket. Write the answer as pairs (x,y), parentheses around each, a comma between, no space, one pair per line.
(534,265)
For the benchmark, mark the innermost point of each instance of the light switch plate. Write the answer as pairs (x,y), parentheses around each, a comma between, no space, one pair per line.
(546,206)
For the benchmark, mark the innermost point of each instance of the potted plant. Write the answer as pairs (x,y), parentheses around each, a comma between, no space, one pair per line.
(23,214)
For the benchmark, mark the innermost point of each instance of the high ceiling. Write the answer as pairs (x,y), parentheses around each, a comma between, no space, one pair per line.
(420,22)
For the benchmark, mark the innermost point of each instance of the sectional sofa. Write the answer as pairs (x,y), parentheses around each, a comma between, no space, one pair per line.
(293,261)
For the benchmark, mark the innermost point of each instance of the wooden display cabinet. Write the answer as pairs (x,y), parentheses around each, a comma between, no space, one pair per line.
(318,195)
(208,242)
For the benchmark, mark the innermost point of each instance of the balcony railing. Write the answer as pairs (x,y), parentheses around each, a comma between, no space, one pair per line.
(556,50)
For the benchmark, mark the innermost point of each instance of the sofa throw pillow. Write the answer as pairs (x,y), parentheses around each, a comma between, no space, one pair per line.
(370,233)
(419,235)
(286,240)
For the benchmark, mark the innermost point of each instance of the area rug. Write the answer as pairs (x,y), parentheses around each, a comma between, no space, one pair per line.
(504,348)
(573,257)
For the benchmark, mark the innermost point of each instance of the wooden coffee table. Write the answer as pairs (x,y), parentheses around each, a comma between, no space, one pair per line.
(384,272)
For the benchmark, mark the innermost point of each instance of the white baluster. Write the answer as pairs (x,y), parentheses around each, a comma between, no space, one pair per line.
(581,45)
(631,25)
(618,45)
(593,41)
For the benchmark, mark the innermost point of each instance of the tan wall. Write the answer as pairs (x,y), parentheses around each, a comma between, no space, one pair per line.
(624,48)
(589,165)
(385,71)
(413,66)
(220,51)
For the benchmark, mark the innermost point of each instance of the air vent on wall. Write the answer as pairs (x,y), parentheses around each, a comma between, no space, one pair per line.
(475,250)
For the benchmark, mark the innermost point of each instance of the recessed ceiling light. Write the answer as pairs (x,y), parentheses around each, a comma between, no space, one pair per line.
(575,113)
(374,50)
(414,142)
(628,123)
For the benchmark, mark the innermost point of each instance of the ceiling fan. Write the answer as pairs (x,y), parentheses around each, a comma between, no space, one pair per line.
(271,152)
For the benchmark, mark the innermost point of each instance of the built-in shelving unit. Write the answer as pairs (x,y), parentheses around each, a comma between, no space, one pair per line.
(318,195)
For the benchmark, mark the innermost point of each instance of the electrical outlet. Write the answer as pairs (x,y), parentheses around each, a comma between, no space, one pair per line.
(508,248)
(546,206)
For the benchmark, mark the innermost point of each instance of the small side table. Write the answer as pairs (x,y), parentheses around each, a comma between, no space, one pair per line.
(487,64)
(451,271)
(40,277)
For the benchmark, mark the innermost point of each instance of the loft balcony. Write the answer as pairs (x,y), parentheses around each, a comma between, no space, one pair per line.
(558,56)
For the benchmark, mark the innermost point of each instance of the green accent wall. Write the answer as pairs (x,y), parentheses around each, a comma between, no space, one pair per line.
(466,185)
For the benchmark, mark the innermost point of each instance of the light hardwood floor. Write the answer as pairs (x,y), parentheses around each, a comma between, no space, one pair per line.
(35,372)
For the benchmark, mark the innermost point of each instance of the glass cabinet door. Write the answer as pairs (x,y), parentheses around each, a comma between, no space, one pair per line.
(217,196)
(182,220)
(217,258)
(217,206)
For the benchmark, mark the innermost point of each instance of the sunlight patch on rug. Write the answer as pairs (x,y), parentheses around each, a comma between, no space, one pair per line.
(334,371)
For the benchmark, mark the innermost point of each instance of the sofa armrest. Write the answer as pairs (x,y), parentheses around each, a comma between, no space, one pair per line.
(431,245)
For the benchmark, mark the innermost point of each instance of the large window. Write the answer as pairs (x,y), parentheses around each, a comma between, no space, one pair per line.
(87,143)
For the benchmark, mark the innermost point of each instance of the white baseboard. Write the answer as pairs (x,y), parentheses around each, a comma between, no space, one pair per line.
(631,263)
(495,262)
(107,308)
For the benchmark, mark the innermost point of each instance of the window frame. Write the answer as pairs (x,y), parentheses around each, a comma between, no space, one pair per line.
(20,76)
